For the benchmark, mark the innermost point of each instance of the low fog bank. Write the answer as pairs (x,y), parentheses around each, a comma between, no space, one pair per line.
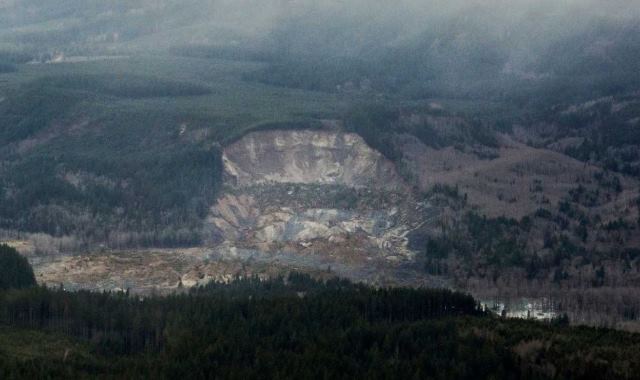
(342,26)
(416,48)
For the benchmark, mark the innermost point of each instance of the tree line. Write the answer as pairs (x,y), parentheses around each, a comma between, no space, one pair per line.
(292,326)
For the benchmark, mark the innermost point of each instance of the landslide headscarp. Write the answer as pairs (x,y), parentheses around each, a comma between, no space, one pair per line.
(308,157)
(315,194)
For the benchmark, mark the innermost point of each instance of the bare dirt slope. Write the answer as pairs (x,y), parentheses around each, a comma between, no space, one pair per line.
(316,201)
(519,181)
(308,156)
(317,195)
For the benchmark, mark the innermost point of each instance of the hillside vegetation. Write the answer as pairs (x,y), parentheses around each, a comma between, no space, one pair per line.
(15,269)
(103,140)
(290,328)
(513,130)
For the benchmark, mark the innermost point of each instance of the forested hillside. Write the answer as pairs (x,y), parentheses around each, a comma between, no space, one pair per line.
(180,82)
(290,328)
(15,269)
(485,146)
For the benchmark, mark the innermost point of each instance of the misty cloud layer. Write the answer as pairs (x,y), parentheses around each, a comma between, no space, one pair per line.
(360,20)
(396,44)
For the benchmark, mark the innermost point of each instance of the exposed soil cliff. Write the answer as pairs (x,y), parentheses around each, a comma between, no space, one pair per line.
(316,194)
(318,157)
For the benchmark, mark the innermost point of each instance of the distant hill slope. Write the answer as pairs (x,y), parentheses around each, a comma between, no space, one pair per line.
(503,144)
(111,138)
